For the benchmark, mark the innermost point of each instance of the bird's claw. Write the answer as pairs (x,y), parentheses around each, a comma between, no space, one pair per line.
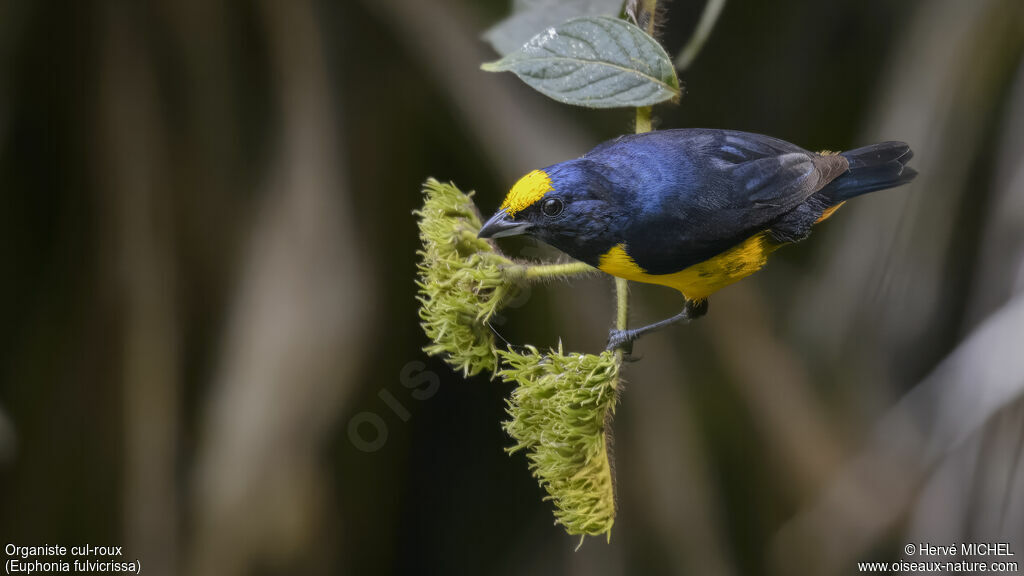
(621,339)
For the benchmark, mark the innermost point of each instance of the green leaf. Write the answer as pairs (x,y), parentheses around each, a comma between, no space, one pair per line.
(528,16)
(597,62)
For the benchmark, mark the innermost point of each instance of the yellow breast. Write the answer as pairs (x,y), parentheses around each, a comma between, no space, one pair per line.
(702,279)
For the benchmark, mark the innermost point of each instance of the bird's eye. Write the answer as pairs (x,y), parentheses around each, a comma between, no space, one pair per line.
(552,207)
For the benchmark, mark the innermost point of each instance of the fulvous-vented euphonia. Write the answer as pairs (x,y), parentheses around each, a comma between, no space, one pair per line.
(693,209)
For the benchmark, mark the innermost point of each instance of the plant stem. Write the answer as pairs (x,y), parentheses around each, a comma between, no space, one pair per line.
(622,301)
(643,119)
(643,124)
(558,270)
(700,35)
(651,7)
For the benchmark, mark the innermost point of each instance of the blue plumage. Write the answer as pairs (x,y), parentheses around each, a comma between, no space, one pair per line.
(677,197)
(652,206)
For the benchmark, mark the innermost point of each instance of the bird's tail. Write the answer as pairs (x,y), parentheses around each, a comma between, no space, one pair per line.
(874,167)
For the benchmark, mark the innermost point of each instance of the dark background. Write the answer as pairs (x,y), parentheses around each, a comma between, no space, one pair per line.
(208,247)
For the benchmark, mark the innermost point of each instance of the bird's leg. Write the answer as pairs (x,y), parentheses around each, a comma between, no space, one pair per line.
(692,309)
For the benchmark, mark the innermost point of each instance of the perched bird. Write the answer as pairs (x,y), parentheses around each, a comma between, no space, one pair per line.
(692,209)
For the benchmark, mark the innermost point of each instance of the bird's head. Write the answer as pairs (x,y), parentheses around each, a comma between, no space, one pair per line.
(569,206)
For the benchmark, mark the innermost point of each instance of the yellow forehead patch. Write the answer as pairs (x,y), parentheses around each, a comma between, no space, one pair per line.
(528,190)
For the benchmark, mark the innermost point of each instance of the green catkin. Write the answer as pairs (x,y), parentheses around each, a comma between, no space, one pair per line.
(462,280)
(561,410)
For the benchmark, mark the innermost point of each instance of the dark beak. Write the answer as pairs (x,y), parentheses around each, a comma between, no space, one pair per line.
(500,225)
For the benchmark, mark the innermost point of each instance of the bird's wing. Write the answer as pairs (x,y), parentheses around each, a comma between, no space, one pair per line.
(736,184)
(782,181)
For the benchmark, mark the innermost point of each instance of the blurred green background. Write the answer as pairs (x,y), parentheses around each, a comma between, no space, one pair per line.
(210,331)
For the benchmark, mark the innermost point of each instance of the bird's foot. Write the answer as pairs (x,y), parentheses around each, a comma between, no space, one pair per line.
(695,308)
(621,339)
